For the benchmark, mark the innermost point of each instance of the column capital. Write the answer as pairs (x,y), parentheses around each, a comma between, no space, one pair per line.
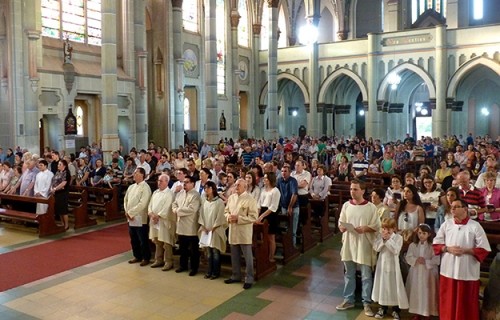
(272,3)
(235,19)
(177,4)
(380,105)
(142,54)
(262,108)
(365,105)
(329,108)
(449,103)
(308,107)
(320,107)
(256,28)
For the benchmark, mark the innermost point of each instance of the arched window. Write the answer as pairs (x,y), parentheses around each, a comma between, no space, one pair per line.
(477,9)
(190,15)
(76,20)
(79,121)
(220,14)
(283,36)
(187,123)
(420,6)
(243,34)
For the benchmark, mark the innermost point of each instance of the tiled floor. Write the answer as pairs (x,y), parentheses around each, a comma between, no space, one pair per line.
(307,288)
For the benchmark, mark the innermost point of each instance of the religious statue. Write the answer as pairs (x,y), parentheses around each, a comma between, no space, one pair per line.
(68,50)
(222,122)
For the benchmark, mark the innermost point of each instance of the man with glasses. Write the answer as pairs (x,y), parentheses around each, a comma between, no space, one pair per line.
(241,212)
(178,186)
(162,224)
(186,208)
(136,210)
(463,245)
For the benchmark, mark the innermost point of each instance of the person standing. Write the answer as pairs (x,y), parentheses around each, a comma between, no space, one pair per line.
(43,182)
(186,207)
(463,245)
(241,212)
(60,190)
(359,223)
(288,188)
(214,223)
(136,210)
(162,224)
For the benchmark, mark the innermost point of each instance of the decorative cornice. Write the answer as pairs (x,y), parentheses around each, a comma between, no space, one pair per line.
(256,28)
(177,4)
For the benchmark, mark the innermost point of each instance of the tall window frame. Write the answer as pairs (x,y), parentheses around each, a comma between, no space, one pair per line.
(76,20)
(190,15)
(243,28)
(221,23)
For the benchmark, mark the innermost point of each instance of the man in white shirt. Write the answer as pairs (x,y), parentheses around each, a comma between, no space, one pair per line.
(162,224)
(303,178)
(43,182)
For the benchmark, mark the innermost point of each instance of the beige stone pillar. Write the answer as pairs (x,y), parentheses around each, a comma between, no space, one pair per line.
(372,121)
(177,127)
(272,72)
(439,121)
(212,113)
(109,107)
(259,116)
(235,75)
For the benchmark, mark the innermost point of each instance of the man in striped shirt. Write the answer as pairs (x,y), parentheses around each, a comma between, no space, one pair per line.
(360,166)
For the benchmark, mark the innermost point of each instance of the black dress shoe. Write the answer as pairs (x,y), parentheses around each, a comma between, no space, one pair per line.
(180,270)
(207,276)
(229,281)
(213,277)
(144,263)
(134,261)
(247,286)
(192,273)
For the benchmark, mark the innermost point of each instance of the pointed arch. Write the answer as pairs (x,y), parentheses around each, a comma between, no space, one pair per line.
(426,78)
(338,73)
(288,76)
(466,68)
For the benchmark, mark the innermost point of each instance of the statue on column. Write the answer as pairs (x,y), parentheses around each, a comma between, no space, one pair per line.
(222,122)
(68,50)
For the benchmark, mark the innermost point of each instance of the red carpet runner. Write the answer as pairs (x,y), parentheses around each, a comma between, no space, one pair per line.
(34,263)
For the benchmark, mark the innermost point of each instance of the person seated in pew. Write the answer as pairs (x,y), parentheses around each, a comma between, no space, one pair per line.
(318,190)
(491,196)
(82,172)
(6,175)
(15,182)
(97,174)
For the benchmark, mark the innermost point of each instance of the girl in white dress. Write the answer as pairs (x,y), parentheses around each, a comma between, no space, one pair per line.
(388,287)
(423,278)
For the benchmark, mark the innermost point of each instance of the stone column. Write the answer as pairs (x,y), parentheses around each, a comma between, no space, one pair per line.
(258,119)
(439,124)
(372,121)
(177,130)
(457,14)
(272,72)
(312,115)
(212,114)
(235,75)
(329,119)
(109,108)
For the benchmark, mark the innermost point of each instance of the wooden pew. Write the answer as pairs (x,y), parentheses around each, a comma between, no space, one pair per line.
(46,222)
(260,247)
(102,199)
(284,239)
(324,229)
(492,229)
(78,203)
(339,193)
(308,240)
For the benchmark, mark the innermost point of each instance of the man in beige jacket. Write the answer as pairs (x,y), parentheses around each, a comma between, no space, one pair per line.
(136,210)
(241,212)
(186,207)
(162,224)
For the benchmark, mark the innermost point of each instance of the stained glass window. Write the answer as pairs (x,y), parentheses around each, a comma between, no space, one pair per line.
(243,34)
(190,15)
(220,14)
(187,117)
(76,20)
(79,121)
(420,6)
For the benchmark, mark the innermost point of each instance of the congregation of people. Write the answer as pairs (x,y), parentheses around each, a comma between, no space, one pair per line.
(416,243)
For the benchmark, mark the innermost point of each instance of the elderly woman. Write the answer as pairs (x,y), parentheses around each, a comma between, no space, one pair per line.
(491,195)
(60,190)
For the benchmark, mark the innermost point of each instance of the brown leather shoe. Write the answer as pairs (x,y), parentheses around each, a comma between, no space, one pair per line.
(134,261)
(167,267)
(144,263)
(157,264)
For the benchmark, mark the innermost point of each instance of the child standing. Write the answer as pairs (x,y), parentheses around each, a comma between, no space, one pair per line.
(423,278)
(388,287)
